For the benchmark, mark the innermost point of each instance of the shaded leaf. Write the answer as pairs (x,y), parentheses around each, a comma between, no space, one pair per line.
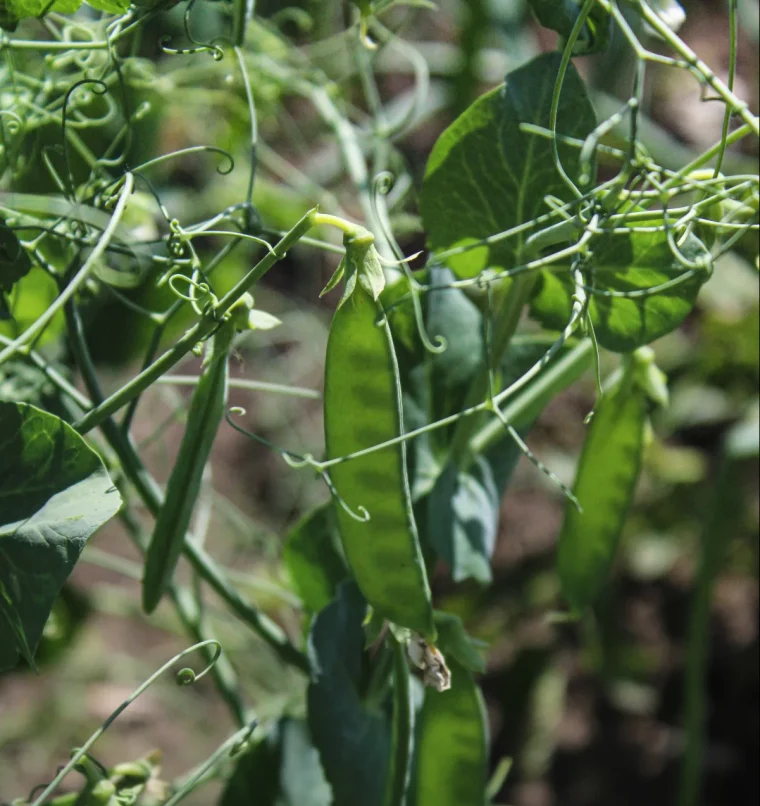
(55,494)
(312,558)
(456,644)
(283,769)
(15,263)
(462,519)
(353,739)
(561,16)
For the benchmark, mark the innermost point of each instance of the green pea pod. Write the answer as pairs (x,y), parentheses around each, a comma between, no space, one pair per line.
(363,409)
(604,484)
(206,413)
(451,755)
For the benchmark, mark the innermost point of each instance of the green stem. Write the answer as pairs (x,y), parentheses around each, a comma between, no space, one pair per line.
(687,54)
(526,406)
(153,499)
(508,319)
(403,724)
(222,671)
(197,333)
(724,508)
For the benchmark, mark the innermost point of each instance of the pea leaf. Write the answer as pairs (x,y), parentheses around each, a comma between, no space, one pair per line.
(34,8)
(462,520)
(353,739)
(14,261)
(561,16)
(451,760)
(110,6)
(485,175)
(31,296)
(55,493)
(622,264)
(312,558)
(281,770)
(456,644)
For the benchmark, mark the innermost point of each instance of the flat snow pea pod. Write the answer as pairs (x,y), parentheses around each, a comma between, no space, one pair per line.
(207,408)
(451,756)
(605,481)
(363,409)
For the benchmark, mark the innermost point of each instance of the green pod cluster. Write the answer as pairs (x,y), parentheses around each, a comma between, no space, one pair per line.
(606,479)
(362,401)
(207,408)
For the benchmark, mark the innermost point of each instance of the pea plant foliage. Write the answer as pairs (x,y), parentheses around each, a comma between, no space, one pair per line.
(554,238)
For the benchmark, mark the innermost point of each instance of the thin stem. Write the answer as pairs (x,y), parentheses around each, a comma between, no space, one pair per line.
(724,507)
(403,726)
(687,54)
(242,383)
(197,333)
(84,749)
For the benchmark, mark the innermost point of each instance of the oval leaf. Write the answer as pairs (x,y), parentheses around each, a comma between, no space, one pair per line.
(312,558)
(55,493)
(353,740)
(486,175)
(630,263)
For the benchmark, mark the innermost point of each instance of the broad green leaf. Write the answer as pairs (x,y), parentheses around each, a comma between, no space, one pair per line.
(561,16)
(485,175)
(110,6)
(451,759)
(623,264)
(462,520)
(55,494)
(312,558)
(34,8)
(281,770)
(14,261)
(29,299)
(353,739)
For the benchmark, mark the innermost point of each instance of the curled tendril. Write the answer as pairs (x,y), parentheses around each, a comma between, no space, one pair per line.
(99,88)
(191,150)
(85,748)
(297,16)
(297,461)
(196,45)
(202,288)
(361,514)
(216,52)
(292,459)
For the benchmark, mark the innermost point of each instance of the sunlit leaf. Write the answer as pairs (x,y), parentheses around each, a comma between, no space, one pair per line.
(55,494)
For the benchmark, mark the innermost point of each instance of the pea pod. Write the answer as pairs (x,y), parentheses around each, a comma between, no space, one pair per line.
(206,413)
(451,756)
(606,479)
(363,409)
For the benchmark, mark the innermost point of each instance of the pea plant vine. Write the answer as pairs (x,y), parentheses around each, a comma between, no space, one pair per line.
(531,201)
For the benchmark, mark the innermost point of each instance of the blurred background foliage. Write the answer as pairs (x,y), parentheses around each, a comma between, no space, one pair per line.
(588,720)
